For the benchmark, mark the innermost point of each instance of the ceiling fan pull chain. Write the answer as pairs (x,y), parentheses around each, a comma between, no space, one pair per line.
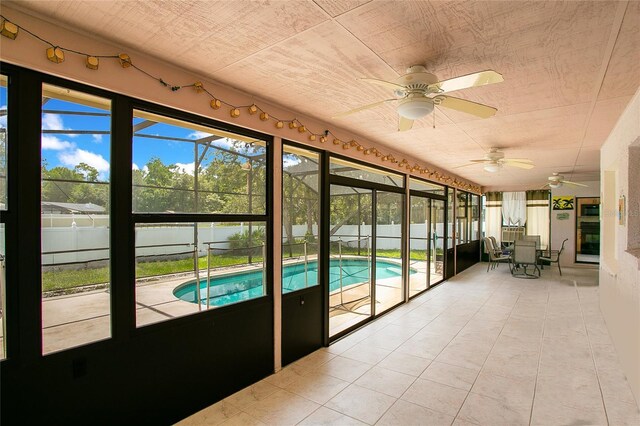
(434,118)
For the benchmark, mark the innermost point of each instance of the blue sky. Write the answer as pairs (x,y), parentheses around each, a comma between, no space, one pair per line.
(69,150)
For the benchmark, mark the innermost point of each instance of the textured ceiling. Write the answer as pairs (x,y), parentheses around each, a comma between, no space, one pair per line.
(570,68)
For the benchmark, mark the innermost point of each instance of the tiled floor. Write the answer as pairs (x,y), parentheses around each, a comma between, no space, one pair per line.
(483,348)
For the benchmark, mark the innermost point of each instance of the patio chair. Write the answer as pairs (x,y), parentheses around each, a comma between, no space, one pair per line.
(524,255)
(496,246)
(553,256)
(494,257)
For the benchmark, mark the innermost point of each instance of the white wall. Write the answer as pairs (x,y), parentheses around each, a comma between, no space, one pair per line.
(620,264)
(561,229)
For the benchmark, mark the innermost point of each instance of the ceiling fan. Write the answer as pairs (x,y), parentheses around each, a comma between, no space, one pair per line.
(494,160)
(557,180)
(418,91)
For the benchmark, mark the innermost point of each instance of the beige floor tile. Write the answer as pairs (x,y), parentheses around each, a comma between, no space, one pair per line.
(316,387)
(286,375)
(386,381)
(426,346)
(614,384)
(281,408)
(406,413)
(212,415)
(315,359)
(324,416)
(242,419)
(366,353)
(452,375)
(550,410)
(621,412)
(344,368)
(463,357)
(442,398)
(405,363)
(512,365)
(251,394)
(514,392)
(361,403)
(483,410)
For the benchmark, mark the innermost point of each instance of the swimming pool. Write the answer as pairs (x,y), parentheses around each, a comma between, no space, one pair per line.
(232,288)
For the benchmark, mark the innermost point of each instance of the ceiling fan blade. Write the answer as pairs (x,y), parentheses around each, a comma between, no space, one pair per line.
(362,108)
(465,165)
(517,160)
(470,80)
(463,105)
(574,183)
(518,164)
(480,161)
(384,83)
(404,124)
(546,185)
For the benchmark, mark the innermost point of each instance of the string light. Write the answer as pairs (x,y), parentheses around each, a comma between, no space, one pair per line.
(125,60)
(8,29)
(56,54)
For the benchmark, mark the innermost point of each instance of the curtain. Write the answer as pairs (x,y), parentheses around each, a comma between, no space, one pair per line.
(493,215)
(514,208)
(538,216)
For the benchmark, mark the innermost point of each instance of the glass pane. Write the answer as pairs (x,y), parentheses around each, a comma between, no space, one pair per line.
(181,167)
(389,288)
(419,245)
(462,220)
(4,114)
(3,294)
(421,185)
(75,150)
(474,216)
(300,215)
(226,258)
(450,218)
(436,260)
(357,171)
(350,257)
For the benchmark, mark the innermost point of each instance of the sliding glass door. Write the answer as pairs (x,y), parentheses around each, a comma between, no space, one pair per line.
(351,260)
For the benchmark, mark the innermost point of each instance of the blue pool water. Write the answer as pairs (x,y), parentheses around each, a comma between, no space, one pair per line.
(248,285)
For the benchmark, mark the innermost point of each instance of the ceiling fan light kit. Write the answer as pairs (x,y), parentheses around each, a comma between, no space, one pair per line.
(415,108)
(492,168)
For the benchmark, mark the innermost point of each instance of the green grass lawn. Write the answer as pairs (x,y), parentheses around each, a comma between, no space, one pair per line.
(69,279)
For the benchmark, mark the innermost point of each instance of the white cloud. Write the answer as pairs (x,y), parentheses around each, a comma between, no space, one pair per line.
(97,138)
(77,156)
(188,168)
(145,169)
(199,135)
(55,144)
(54,122)
(134,166)
(290,161)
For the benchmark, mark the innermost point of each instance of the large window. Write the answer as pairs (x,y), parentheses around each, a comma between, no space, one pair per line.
(300,218)
(199,202)
(182,167)
(75,153)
